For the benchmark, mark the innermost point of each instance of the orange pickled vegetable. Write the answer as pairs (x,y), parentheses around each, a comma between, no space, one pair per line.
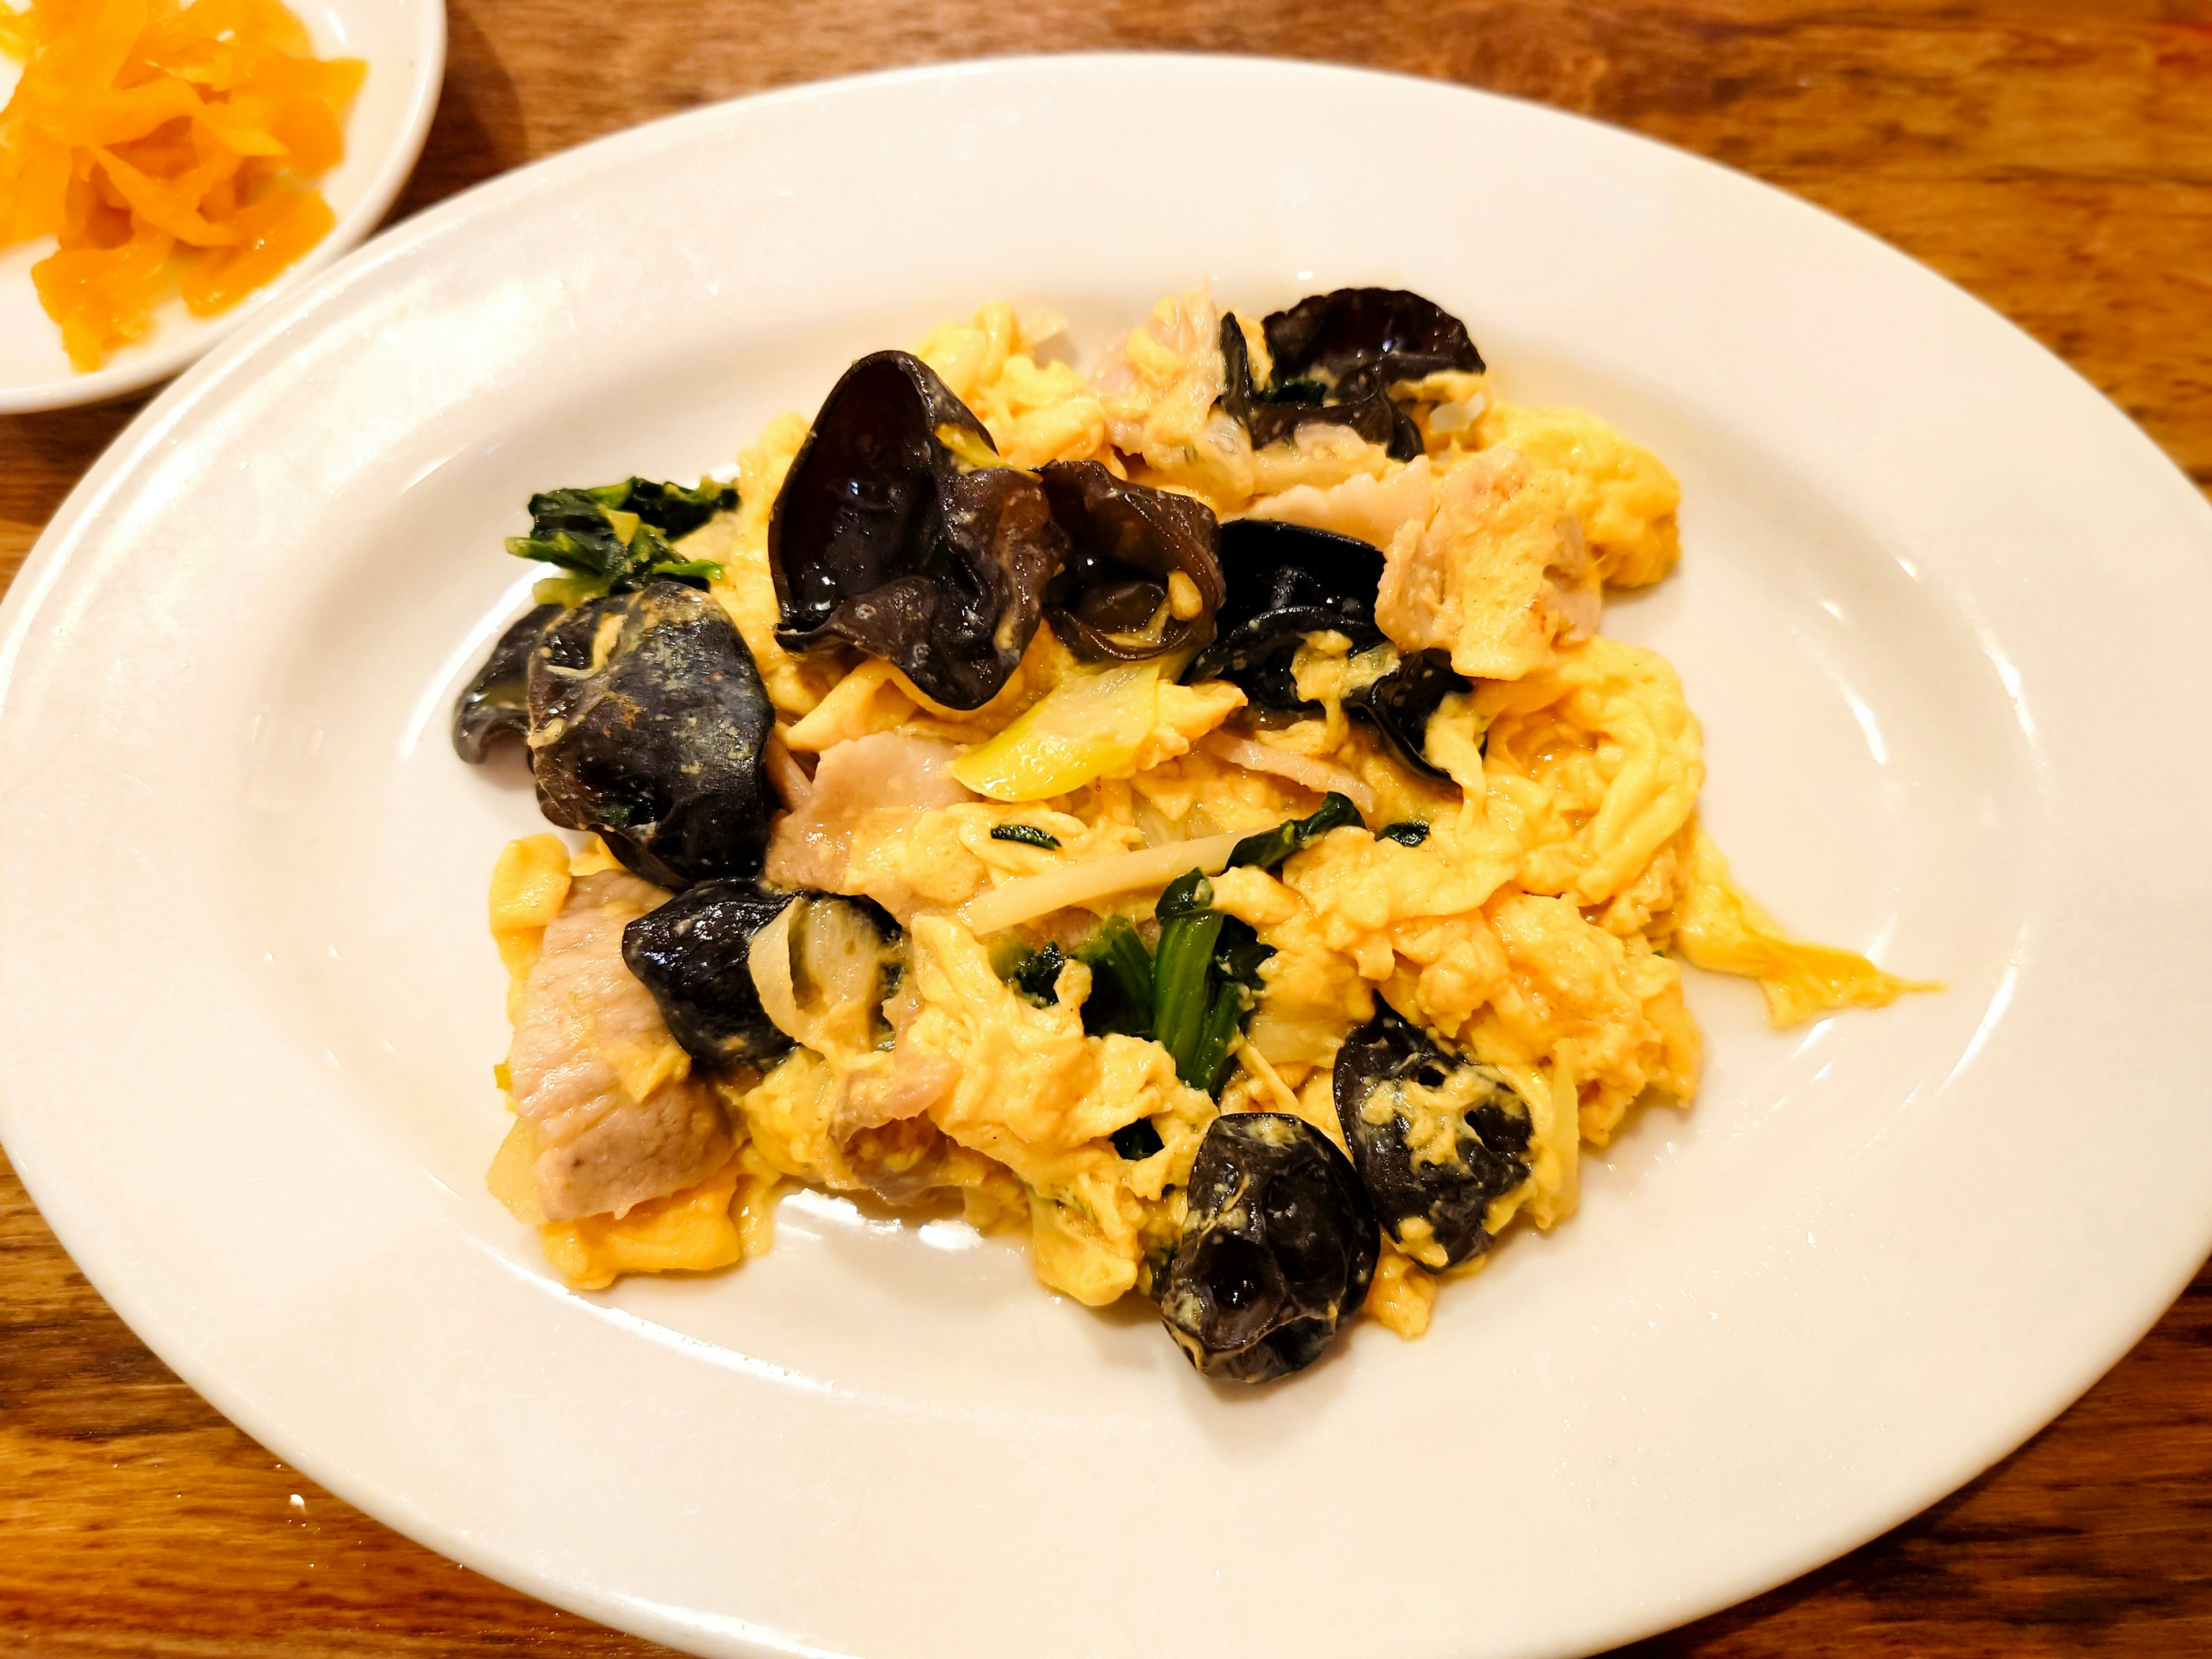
(171,147)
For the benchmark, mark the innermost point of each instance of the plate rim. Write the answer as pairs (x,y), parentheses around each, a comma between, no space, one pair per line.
(49,557)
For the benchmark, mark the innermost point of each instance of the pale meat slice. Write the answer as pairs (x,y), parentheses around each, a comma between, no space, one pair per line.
(1180,370)
(674,1138)
(902,1084)
(1370,508)
(1496,574)
(593,1070)
(879,783)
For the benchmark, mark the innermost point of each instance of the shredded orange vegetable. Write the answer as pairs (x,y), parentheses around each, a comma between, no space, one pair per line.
(171,147)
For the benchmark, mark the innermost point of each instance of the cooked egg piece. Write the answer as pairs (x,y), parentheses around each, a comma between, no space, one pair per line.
(1717,927)
(1492,577)
(1621,495)
(1534,914)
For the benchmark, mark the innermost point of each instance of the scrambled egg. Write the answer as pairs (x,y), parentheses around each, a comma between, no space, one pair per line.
(1540,924)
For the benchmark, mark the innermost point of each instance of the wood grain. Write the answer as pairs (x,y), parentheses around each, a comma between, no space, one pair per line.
(2055,159)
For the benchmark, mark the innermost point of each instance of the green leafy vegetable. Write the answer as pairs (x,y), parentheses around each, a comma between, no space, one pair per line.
(1120,980)
(1190,995)
(1296,391)
(1204,973)
(1268,850)
(1238,954)
(1238,957)
(1033,974)
(613,538)
(1191,992)
(1182,987)
(1137,1141)
(1209,1058)
(1027,834)
(1408,834)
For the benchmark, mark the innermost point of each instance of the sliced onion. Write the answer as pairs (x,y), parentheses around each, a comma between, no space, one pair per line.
(770,961)
(1093,723)
(1080,884)
(819,970)
(1304,771)
(785,772)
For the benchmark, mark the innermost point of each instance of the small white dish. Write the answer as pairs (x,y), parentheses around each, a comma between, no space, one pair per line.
(1942,612)
(404,43)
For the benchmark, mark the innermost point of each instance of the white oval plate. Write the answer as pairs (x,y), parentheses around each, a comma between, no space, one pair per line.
(1943,611)
(404,42)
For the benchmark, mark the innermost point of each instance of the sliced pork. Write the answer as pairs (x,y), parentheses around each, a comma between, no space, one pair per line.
(595,1072)
(873,783)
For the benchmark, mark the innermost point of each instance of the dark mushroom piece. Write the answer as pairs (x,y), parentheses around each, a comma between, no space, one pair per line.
(695,954)
(885,538)
(611,538)
(1336,356)
(1284,581)
(1138,1140)
(1278,1247)
(1400,703)
(1356,339)
(1287,580)
(496,702)
(1125,544)
(648,721)
(1436,1138)
(1275,413)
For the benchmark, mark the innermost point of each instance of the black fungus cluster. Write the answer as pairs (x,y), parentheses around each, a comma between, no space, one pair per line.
(897,532)
(1282,1229)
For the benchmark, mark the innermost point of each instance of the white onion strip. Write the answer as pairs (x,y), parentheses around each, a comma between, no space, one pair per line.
(770,961)
(1032,896)
(785,772)
(1304,771)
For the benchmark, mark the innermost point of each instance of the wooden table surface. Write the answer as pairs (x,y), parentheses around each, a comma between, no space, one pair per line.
(2054,158)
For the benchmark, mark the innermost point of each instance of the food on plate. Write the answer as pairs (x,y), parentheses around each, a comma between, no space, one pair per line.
(1440,1140)
(172,151)
(1185,813)
(647,724)
(897,532)
(1279,1246)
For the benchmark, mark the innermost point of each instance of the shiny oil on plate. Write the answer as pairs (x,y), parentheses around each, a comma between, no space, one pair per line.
(1939,609)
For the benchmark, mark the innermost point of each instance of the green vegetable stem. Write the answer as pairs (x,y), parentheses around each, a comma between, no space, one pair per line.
(1190,993)
(1204,975)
